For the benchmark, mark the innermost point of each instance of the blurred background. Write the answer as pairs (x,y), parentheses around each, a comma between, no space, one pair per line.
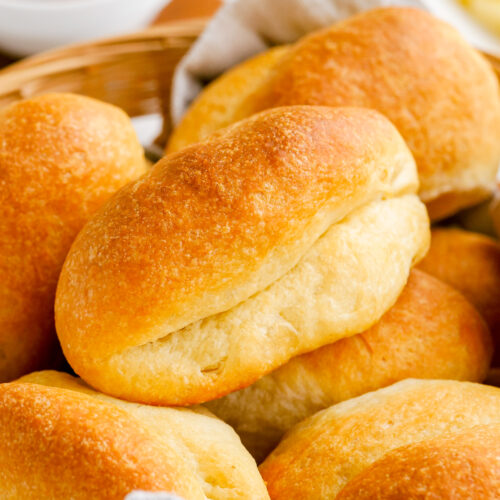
(135,72)
(24,29)
(31,26)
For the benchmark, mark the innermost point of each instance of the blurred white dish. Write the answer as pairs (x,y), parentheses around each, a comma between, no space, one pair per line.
(30,26)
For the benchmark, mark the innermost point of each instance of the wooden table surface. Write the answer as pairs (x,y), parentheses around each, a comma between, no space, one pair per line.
(177,9)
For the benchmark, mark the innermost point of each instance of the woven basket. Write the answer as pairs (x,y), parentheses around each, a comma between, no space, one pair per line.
(133,72)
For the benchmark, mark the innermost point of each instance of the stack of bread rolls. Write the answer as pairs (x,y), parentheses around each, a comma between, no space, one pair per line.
(276,269)
(438,91)
(290,230)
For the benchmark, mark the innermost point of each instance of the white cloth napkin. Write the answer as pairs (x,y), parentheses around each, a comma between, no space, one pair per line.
(242,28)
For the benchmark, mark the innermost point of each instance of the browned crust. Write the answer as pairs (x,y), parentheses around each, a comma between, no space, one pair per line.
(57,443)
(458,466)
(441,94)
(470,262)
(190,238)
(319,456)
(61,157)
(202,453)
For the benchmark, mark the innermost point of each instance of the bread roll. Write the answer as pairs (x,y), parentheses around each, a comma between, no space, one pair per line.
(469,262)
(285,232)
(441,94)
(431,332)
(60,439)
(459,466)
(319,456)
(61,157)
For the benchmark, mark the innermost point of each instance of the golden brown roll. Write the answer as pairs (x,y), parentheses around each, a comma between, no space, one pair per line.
(431,332)
(61,157)
(441,94)
(60,439)
(459,466)
(469,262)
(319,456)
(288,231)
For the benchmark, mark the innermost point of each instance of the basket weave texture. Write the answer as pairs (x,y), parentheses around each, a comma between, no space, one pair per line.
(133,71)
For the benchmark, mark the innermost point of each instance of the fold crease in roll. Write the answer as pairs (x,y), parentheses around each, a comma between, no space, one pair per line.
(459,466)
(431,332)
(61,439)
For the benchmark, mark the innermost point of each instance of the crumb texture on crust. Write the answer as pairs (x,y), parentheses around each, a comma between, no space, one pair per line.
(458,466)
(319,456)
(61,157)
(61,439)
(431,332)
(441,94)
(193,281)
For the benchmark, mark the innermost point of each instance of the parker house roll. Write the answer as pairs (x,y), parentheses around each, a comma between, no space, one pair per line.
(431,332)
(469,262)
(288,231)
(61,157)
(321,455)
(441,94)
(60,439)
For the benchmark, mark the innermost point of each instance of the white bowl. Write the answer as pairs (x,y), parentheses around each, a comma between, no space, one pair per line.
(30,26)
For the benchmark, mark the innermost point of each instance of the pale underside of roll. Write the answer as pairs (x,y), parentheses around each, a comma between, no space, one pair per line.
(431,332)
(288,231)
(441,94)
(61,439)
(319,456)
